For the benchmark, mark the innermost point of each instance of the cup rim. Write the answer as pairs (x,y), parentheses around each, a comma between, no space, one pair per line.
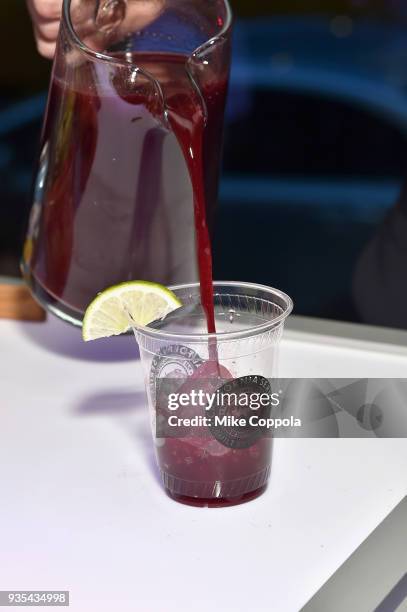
(262,328)
(116,61)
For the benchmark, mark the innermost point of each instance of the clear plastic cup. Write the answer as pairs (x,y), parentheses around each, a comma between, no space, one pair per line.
(200,468)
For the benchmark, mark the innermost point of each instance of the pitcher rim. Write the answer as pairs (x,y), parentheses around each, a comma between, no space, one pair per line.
(245,333)
(114,60)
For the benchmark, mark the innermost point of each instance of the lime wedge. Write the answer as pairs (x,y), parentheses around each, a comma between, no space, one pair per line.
(116,309)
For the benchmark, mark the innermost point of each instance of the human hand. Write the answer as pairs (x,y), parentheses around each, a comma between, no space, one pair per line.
(46,15)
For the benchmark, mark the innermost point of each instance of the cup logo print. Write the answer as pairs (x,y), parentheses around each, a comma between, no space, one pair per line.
(175,361)
(230,419)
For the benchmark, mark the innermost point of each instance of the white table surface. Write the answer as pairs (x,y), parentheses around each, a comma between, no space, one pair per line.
(81,508)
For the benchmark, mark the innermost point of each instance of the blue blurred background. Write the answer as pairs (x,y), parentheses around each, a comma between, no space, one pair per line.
(315,144)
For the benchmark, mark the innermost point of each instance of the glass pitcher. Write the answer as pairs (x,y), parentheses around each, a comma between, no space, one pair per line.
(132,133)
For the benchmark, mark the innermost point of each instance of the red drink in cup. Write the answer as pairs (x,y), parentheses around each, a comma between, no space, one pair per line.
(206,465)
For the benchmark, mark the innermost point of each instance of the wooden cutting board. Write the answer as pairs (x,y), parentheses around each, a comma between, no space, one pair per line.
(16,302)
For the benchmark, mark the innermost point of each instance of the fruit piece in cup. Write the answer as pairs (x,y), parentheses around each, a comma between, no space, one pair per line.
(115,310)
